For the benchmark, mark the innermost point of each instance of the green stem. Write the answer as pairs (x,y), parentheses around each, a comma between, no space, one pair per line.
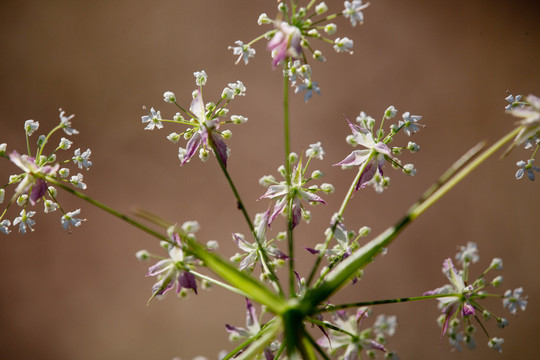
(339,216)
(107,209)
(287,145)
(330,308)
(219,283)
(264,259)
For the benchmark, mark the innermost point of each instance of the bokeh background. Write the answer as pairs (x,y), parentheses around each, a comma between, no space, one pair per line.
(83,295)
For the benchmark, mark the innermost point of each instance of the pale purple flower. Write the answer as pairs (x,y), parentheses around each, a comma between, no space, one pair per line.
(453,306)
(362,339)
(296,192)
(287,42)
(252,328)
(204,132)
(172,271)
(252,250)
(374,154)
(36,185)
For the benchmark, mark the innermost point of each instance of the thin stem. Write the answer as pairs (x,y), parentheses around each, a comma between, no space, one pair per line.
(339,216)
(287,145)
(330,308)
(219,283)
(264,259)
(108,209)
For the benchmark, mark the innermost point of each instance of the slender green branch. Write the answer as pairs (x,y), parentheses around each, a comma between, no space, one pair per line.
(339,216)
(107,209)
(265,259)
(219,283)
(330,308)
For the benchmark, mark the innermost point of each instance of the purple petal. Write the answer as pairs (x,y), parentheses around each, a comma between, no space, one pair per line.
(468,310)
(192,146)
(220,147)
(251,315)
(312,251)
(187,280)
(367,175)
(38,190)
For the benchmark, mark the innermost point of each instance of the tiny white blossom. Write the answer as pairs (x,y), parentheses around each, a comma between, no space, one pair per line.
(267,180)
(65,121)
(244,51)
(238,119)
(191,226)
(317,55)
(77,180)
(200,77)
(173,137)
(496,344)
(30,126)
(227,93)
(321,8)
(353,11)
(4,226)
(49,206)
(263,19)
(316,151)
(169,97)
(153,119)
(25,221)
(514,300)
(3,148)
(65,144)
(64,172)
(82,160)
(343,45)
(390,112)
(330,29)
(69,219)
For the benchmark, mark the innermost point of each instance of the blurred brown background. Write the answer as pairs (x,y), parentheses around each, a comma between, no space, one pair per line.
(83,295)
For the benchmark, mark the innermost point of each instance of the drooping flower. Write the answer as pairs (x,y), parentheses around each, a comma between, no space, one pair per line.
(287,42)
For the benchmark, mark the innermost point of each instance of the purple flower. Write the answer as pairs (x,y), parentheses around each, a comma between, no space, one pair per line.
(294,194)
(457,305)
(286,43)
(373,156)
(252,328)
(36,185)
(204,132)
(173,271)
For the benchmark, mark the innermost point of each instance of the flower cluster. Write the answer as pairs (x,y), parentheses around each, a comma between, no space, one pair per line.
(38,172)
(376,150)
(529,134)
(203,124)
(290,195)
(177,269)
(347,334)
(458,300)
(290,39)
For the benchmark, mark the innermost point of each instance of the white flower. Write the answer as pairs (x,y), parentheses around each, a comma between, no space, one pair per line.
(50,206)
(316,151)
(153,119)
(4,226)
(69,219)
(353,11)
(200,77)
(78,181)
(65,144)
(343,45)
(496,344)
(321,8)
(244,52)
(169,97)
(238,119)
(82,160)
(25,221)
(65,121)
(30,126)
(263,19)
